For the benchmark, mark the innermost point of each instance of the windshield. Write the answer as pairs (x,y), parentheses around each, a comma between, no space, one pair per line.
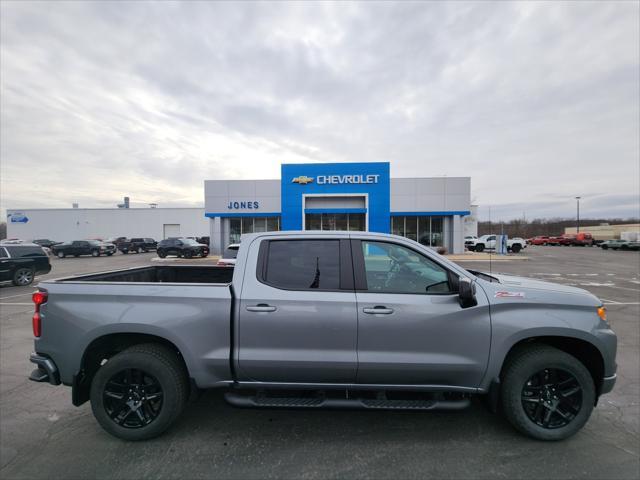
(93,242)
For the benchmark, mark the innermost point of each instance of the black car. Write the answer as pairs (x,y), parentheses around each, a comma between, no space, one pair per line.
(20,263)
(45,242)
(137,245)
(182,247)
(83,247)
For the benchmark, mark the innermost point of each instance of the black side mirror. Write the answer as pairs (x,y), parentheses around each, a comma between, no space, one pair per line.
(467,293)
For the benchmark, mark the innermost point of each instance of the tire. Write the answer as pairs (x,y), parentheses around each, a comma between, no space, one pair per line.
(162,253)
(516,248)
(61,254)
(125,251)
(137,250)
(23,277)
(95,253)
(205,255)
(604,247)
(162,373)
(624,247)
(479,247)
(109,254)
(517,375)
(187,254)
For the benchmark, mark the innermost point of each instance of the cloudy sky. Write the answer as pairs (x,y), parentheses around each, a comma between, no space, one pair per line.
(536,102)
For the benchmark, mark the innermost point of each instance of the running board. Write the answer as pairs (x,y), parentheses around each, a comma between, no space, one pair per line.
(245,401)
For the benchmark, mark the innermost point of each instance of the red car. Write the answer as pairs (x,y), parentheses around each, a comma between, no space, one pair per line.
(539,241)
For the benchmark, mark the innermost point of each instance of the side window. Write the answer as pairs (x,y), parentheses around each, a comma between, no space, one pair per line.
(303,264)
(491,238)
(392,268)
(3,253)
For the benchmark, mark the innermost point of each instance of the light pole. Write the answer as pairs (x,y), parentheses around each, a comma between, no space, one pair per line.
(578,214)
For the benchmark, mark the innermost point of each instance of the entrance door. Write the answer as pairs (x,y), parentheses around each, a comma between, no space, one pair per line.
(411,328)
(298,321)
(171,230)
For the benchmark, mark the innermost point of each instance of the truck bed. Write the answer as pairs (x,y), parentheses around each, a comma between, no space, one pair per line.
(160,274)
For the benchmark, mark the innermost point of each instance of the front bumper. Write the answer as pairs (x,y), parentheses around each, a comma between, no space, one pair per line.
(608,383)
(46,371)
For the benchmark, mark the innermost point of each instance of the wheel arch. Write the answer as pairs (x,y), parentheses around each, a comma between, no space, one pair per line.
(586,352)
(106,346)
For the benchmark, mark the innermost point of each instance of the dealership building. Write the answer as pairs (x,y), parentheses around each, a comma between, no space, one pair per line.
(321,196)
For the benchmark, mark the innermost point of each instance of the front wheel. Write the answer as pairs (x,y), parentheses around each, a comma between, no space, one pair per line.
(187,254)
(95,253)
(139,392)
(61,254)
(516,248)
(479,247)
(604,247)
(547,394)
(23,277)
(162,253)
(109,254)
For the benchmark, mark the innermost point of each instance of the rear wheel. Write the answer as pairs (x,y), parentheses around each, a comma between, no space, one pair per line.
(187,254)
(61,254)
(139,392)
(137,250)
(23,276)
(624,247)
(95,253)
(162,253)
(516,248)
(547,394)
(604,247)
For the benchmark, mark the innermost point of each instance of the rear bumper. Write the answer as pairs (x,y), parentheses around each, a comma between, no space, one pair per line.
(608,384)
(46,371)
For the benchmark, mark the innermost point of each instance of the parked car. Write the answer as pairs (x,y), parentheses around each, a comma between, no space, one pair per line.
(137,245)
(541,240)
(20,263)
(203,240)
(324,320)
(620,244)
(45,242)
(488,242)
(83,247)
(182,247)
(582,239)
(228,258)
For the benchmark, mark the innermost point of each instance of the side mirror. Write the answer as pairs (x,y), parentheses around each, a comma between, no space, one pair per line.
(467,293)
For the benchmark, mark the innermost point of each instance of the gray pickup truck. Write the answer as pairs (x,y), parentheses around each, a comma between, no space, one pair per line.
(324,320)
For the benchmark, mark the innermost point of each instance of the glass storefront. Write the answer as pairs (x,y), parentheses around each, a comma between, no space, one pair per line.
(426,230)
(335,221)
(240,225)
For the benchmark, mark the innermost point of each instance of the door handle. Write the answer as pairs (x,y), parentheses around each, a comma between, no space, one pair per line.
(378,310)
(261,307)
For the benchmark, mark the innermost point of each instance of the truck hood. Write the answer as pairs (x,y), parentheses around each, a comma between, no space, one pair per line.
(533,289)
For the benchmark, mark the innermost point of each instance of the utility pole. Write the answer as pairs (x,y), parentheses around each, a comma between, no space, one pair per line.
(578,214)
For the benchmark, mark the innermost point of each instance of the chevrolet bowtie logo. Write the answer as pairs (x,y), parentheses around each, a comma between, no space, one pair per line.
(302,180)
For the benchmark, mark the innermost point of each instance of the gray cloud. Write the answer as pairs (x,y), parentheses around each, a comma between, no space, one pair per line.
(536,102)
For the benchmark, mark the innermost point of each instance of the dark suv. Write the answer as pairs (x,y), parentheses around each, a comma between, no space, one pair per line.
(138,245)
(20,263)
(182,247)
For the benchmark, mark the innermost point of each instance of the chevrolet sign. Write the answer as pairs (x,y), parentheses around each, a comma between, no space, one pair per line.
(350,179)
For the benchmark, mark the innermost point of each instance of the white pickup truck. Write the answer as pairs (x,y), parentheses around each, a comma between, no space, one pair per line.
(488,242)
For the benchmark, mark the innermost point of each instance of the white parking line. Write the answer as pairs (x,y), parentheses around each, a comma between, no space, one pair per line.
(16,303)
(622,303)
(14,296)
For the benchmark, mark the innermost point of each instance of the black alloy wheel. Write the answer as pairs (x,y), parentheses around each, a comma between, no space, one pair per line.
(133,398)
(23,277)
(187,254)
(552,398)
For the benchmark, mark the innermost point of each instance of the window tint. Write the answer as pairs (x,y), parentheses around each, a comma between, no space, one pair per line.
(304,264)
(392,268)
(22,252)
(137,240)
(230,253)
(3,253)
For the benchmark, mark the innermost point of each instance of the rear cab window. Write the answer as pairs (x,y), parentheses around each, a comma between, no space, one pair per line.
(230,252)
(313,264)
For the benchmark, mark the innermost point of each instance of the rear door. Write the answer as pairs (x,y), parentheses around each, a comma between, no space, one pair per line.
(412,329)
(5,265)
(297,313)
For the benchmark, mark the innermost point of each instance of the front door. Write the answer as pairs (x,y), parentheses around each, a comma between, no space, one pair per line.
(298,319)
(412,329)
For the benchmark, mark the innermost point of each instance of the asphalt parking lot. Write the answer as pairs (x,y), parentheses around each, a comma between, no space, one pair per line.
(43,436)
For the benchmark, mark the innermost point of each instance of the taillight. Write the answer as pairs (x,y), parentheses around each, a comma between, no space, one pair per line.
(39,298)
